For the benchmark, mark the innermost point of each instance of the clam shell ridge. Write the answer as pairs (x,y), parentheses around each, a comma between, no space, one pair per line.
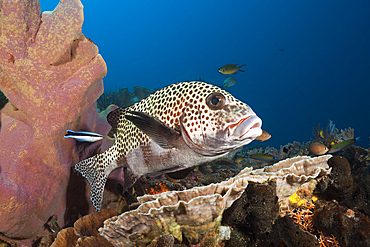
(195,213)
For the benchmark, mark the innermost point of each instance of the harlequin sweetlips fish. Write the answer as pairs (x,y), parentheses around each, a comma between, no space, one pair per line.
(177,127)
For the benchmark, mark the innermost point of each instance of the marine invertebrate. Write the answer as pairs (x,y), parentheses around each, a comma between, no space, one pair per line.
(303,217)
(347,134)
(196,213)
(158,188)
(349,227)
(332,135)
(52,75)
(85,231)
(325,137)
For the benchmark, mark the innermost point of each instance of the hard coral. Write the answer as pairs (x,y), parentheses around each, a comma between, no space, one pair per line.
(52,75)
(194,215)
(85,231)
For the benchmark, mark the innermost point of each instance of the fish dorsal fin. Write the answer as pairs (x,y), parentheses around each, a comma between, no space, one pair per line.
(113,118)
(158,131)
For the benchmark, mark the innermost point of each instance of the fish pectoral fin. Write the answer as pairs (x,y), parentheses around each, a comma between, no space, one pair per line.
(158,131)
(158,173)
(113,119)
(181,173)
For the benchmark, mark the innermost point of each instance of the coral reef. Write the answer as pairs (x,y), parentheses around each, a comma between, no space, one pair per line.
(255,221)
(342,209)
(85,231)
(348,226)
(341,187)
(338,185)
(52,75)
(123,97)
(194,215)
(332,135)
(337,218)
(285,151)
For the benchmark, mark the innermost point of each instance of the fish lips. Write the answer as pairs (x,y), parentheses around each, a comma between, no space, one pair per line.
(246,128)
(227,140)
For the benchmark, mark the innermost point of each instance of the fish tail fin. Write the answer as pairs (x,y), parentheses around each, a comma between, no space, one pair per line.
(95,171)
(240,67)
(357,139)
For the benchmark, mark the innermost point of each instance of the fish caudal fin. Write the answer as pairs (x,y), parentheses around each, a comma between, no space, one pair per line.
(241,69)
(95,173)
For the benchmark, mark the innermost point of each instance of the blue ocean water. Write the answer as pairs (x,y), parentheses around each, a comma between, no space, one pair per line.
(306,61)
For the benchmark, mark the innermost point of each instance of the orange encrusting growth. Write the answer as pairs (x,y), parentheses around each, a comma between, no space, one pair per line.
(303,217)
(159,188)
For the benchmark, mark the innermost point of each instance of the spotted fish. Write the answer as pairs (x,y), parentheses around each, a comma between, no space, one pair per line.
(178,127)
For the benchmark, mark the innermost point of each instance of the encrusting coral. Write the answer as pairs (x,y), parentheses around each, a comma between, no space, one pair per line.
(52,76)
(194,215)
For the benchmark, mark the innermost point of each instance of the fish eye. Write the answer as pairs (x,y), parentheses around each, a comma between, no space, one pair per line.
(215,101)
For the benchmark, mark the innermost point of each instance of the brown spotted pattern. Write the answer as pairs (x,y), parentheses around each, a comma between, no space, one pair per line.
(182,103)
(179,102)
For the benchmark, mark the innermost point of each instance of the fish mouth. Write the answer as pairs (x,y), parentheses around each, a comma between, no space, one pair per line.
(247,128)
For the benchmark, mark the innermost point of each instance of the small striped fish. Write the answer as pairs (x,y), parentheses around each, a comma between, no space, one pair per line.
(84,136)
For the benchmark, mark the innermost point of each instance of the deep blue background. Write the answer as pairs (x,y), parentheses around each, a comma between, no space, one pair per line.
(306,61)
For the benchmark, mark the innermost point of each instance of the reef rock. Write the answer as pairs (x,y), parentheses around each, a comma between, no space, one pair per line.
(194,215)
(52,75)
(350,228)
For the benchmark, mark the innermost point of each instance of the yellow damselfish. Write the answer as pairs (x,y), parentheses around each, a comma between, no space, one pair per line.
(229,69)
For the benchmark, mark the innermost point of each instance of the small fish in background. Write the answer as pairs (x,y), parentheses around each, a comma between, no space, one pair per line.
(263,157)
(343,145)
(238,158)
(229,82)
(230,69)
(317,148)
(83,136)
(264,137)
(321,134)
